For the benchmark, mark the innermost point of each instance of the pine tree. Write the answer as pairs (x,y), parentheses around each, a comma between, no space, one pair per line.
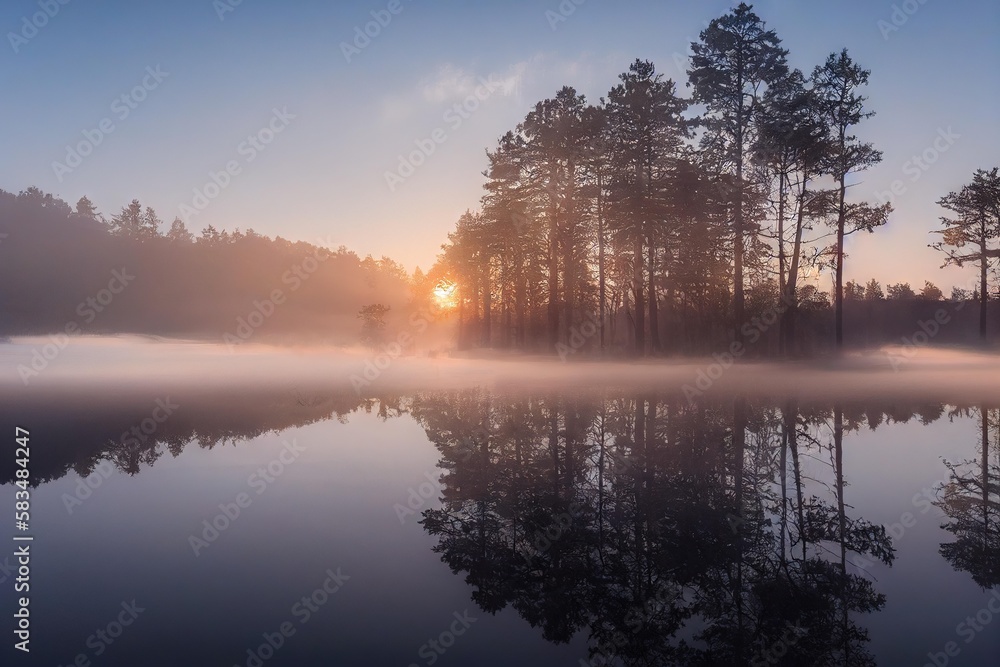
(837,82)
(970,235)
(734,62)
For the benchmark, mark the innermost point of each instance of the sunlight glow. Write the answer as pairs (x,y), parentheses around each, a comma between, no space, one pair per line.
(445,294)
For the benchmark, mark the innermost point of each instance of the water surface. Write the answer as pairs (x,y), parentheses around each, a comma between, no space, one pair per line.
(496,526)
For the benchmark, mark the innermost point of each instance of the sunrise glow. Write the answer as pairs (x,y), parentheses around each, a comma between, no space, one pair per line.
(445,294)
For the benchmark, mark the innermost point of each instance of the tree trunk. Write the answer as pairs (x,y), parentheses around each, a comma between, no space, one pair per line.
(792,280)
(738,296)
(569,266)
(519,306)
(640,305)
(838,442)
(487,338)
(986,475)
(783,327)
(654,311)
(984,263)
(475,330)
(739,452)
(839,287)
(461,320)
(553,257)
(602,281)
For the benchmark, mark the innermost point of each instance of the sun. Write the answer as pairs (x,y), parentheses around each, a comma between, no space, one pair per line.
(445,294)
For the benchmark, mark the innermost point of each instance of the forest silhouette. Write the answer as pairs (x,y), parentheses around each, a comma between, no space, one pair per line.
(60,267)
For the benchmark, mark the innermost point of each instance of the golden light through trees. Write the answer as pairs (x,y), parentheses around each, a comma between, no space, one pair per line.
(445,294)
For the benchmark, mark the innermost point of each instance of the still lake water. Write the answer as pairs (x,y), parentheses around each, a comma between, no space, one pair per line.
(501,527)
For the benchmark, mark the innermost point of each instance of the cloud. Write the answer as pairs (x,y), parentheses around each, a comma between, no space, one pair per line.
(451,83)
(537,77)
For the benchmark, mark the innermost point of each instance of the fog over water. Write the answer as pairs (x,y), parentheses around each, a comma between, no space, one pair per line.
(157,365)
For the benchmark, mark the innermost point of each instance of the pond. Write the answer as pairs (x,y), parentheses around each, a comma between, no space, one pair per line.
(283,524)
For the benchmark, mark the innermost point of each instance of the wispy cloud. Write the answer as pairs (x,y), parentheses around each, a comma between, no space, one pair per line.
(450,83)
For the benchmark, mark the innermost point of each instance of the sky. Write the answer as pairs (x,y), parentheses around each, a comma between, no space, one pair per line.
(279,117)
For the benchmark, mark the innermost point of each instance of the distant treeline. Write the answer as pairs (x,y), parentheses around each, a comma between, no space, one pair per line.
(656,223)
(68,270)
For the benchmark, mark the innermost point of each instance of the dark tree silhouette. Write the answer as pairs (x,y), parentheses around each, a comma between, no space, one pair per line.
(970,235)
(971,501)
(733,63)
(642,520)
(837,82)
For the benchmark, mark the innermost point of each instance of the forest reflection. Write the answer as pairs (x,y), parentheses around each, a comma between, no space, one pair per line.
(669,532)
(673,533)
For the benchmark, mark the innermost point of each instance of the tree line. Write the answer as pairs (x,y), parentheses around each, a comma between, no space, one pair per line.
(233,286)
(657,221)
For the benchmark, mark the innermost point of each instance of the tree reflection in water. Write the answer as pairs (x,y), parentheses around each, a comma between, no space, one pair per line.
(713,533)
(971,502)
(671,533)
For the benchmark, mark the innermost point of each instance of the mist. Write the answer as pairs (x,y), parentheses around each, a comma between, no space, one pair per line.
(115,364)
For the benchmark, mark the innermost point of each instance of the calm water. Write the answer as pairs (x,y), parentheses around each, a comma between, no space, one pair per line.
(483,528)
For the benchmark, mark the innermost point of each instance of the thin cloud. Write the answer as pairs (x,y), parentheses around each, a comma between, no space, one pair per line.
(449,84)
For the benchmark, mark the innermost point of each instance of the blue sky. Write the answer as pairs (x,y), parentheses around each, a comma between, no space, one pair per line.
(322,177)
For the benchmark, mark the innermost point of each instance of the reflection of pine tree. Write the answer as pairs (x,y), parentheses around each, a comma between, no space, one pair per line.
(971,501)
(643,521)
